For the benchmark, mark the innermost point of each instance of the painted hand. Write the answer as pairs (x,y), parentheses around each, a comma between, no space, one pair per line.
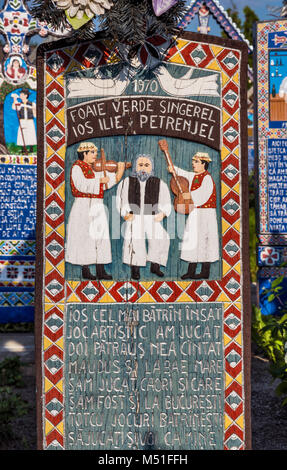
(158,217)
(104,180)
(129,217)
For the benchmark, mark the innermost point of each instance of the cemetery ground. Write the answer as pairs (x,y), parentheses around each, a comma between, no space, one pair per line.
(18,419)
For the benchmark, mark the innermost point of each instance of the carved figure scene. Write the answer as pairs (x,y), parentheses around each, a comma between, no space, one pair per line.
(160,221)
(20,121)
(198,192)
(88,238)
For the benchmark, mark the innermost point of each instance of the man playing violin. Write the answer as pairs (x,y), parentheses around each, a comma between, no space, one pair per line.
(87,238)
(200,242)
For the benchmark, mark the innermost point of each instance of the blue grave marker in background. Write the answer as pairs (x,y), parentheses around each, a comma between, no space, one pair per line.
(271,159)
(18,182)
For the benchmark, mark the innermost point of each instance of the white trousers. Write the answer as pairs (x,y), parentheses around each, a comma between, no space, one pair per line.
(142,228)
(88,239)
(27,132)
(200,242)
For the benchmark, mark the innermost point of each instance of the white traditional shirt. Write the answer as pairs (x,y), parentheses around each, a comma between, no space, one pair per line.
(200,241)
(87,237)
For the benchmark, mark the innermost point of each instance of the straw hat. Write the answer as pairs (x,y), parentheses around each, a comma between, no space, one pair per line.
(86,147)
(203,156)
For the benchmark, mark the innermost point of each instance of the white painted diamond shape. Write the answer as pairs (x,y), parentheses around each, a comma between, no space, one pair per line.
(90,291)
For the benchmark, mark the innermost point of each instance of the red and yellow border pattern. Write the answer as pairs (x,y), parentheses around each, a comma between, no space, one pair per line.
(58,292)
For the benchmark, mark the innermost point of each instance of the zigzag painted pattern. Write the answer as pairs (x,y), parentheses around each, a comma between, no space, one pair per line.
(58,292)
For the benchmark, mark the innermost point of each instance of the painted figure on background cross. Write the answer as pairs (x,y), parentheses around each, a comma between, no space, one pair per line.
(15,69)
(143,200)
(200,242)
(26,112)
(17,26)
(88,240)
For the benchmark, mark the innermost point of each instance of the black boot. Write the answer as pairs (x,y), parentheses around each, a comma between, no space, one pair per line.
(190,274)
(205,271)
(86,274)
(155,269)
(101,273)
(135,272)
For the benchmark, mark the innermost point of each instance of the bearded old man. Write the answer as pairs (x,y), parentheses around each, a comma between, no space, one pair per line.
(88,239)
(143,200)
(200,242)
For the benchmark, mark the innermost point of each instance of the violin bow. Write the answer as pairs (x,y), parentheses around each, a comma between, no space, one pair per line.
(103,163)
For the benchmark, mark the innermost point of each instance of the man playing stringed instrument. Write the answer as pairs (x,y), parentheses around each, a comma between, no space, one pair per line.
(88,238)
(200,242)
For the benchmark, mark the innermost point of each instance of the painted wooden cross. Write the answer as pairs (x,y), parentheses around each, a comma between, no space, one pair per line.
(17,26)
(142,290)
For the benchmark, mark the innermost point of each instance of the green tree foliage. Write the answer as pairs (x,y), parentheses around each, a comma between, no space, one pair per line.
(246,26)
(250,19)
(269,332)
(12,406)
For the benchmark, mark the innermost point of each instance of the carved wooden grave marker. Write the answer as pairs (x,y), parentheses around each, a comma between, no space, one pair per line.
(18,185)
(143,302)
(271,134)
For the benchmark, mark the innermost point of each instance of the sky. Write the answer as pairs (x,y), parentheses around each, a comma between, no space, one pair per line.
(259,6)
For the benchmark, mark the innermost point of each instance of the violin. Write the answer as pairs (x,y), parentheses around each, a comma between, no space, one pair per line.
(107,165)
(178,184)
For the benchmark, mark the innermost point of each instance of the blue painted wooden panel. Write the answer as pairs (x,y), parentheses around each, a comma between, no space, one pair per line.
(182,152)
(17,241)
(144,376)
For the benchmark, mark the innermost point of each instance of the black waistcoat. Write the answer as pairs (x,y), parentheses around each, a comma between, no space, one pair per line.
(150,197)
(29,114)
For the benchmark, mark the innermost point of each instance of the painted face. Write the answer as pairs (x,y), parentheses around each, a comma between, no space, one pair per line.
(15,64)
(144,165)
(197,165)
(90,156)
(23,97)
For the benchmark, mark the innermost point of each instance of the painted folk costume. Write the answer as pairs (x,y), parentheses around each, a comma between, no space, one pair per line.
(200,243)
(26,112)
(144,200)
(88,239)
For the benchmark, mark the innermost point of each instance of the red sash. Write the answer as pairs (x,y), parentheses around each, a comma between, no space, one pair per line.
(89,174)
(196,183)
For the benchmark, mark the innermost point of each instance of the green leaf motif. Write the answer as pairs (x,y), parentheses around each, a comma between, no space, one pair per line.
(77,23)
(277,281)
(15,4)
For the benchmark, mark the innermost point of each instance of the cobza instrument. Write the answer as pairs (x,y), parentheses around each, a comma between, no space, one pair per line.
(178,184)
